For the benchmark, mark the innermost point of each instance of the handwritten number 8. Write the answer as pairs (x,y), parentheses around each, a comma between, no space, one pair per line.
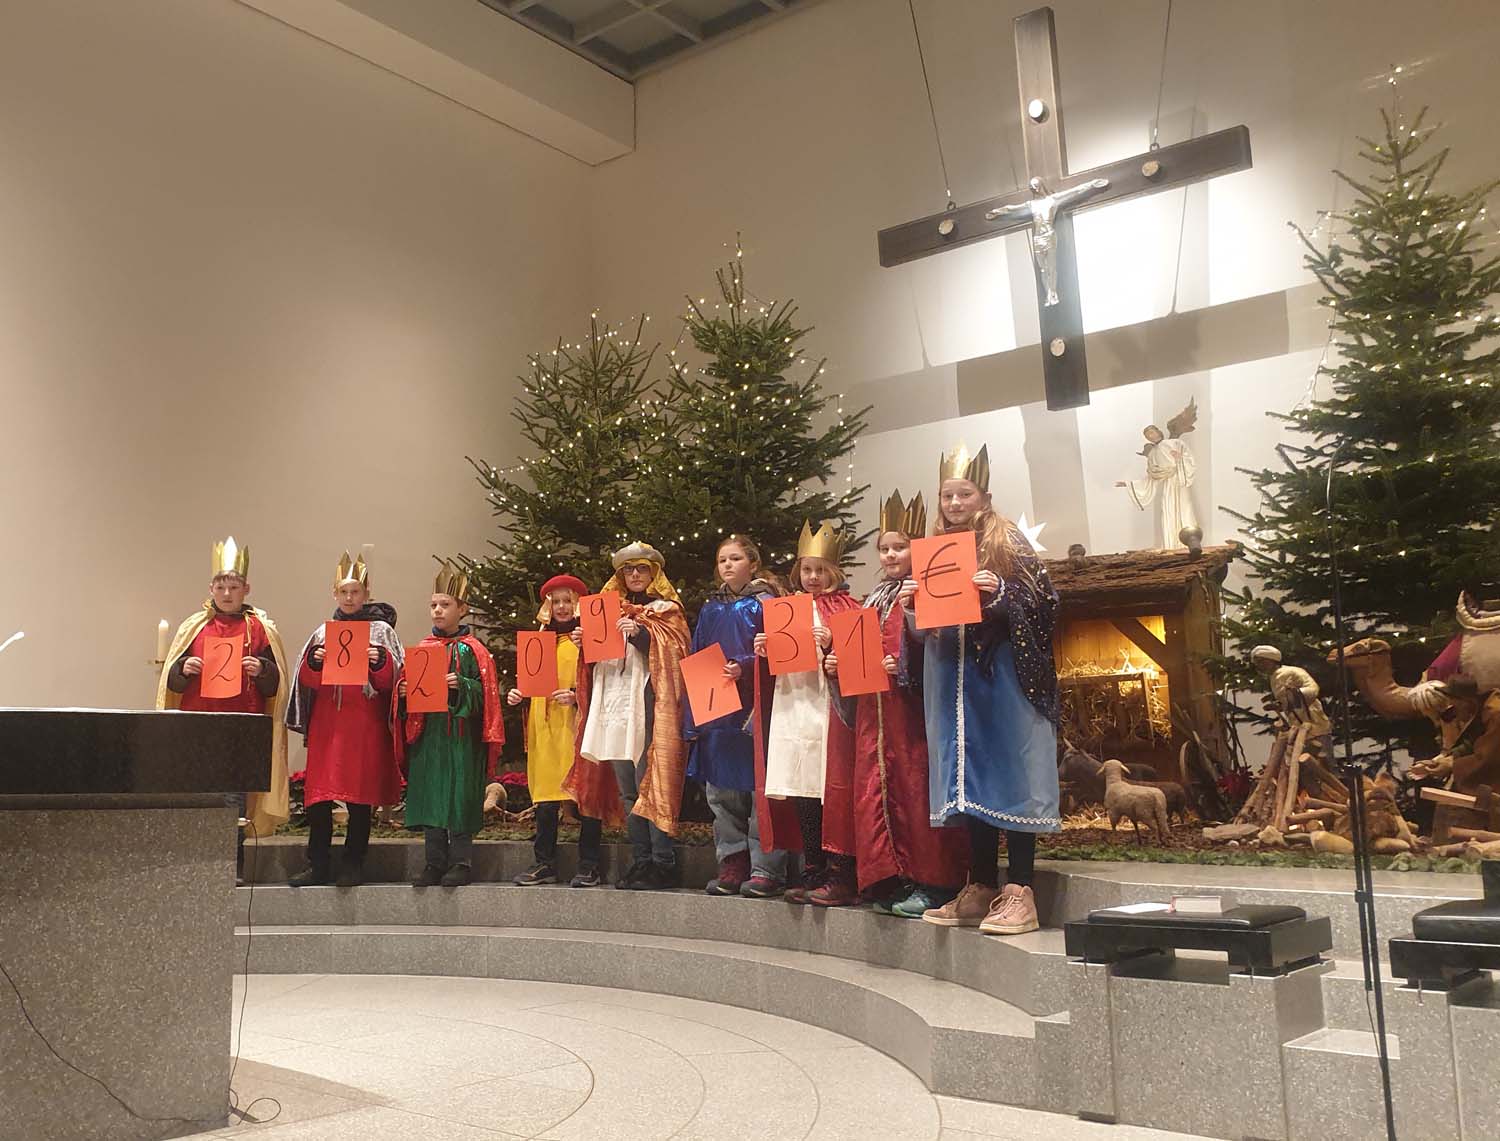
(346,639)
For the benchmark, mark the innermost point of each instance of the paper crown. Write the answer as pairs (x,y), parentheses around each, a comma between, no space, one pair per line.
(637,552)
(451,580)
(910,520)
(827,543)
(351,570)
(958,464)
(231,558)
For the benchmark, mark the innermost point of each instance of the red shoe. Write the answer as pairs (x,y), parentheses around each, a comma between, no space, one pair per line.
(733,871)
(834,893)
(812,879)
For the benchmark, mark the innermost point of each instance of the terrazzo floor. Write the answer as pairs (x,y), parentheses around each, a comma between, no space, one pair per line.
(383,1056)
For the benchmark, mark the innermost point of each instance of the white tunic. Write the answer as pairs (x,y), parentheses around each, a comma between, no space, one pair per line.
(616,726)
(797,742)
(1170,468)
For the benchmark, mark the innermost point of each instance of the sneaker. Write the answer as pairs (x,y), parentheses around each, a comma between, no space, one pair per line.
(627,880)
(733,872)
(431,876)
(762,887)
(587,877)
(538,874)
(351,874)
(920,901)
(967,909)
(315,876)
(456,876)
(658,877)
(834,893)
(1012,913)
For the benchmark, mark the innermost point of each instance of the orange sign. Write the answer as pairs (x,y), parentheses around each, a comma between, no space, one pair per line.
(536,663)
(857,644)
(599,616)
(710,694)
(944,567)
(346,653)
(790,647)
(223,667)
(426,673)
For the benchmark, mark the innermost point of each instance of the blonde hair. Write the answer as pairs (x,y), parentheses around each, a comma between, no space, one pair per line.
(795,574)
(1002,547)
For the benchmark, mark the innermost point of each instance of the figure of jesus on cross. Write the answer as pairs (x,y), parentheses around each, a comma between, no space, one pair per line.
(1042,209)
(1046,204)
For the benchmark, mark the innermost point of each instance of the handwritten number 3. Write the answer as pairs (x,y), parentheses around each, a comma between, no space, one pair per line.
(792,638)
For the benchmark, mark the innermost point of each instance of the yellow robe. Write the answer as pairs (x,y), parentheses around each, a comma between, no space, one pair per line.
(264,810)
(550,731)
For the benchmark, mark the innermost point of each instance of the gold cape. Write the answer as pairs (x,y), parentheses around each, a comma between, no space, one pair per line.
(264,810)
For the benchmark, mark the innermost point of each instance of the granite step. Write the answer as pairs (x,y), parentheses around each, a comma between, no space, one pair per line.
(1332,1081)
(958,1041)
(1346,1003)
(1025,971)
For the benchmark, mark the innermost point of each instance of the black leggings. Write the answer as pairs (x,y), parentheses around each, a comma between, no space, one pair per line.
(984,854)
(320,832)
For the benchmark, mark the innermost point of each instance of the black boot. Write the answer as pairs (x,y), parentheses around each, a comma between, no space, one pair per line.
(315,876)
(351,873)
(431,876)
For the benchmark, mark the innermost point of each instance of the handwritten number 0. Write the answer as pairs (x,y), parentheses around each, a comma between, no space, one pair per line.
(533,667)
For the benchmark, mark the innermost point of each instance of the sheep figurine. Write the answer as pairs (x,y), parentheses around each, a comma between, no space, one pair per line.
(1137,803)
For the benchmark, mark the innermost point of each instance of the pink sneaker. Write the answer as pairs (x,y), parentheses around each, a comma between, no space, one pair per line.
(1012,913)
(967,909)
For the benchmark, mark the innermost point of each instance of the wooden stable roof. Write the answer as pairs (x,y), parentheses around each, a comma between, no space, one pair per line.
(1135,578)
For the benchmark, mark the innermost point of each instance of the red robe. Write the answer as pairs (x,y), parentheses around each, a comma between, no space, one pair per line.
(350,754)
(893,836)
(255,643)
(778,819)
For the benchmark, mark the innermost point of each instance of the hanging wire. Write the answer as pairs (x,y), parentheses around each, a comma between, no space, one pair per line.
(931,109)
(1161,81)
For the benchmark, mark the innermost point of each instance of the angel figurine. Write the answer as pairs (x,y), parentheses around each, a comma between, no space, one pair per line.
(1170,468)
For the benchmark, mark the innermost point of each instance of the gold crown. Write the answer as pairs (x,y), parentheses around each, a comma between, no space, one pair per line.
(451,580)
(828,543)
(231,558)
(351,570)
(958,464)
(910,520)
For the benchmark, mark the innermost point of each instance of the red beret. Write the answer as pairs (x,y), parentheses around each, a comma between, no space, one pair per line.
(563,582)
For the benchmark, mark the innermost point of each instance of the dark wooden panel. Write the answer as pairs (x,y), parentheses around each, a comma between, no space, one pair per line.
(1036,78)
(1065,373)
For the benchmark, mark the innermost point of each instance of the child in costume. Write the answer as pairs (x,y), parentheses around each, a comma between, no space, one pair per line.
(723,751)
(225,614)
(908,865)
(809,751)
(551,729)
(350,754)
(990,691)
(629,714)
(450,756)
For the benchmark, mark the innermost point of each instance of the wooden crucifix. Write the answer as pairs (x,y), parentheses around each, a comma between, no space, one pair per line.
(1045,205)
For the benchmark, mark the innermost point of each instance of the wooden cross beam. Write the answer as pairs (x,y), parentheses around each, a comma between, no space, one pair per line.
(1046,204)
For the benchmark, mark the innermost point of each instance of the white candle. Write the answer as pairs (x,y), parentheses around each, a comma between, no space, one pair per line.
(162,640)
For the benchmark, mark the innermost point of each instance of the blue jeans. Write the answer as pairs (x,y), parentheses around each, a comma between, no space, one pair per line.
(648,843)
(737,829)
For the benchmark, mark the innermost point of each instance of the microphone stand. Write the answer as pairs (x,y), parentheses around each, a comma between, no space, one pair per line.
(1353,777)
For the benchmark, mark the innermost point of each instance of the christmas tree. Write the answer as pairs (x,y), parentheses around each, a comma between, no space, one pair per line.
(1409,428)
(754,441)
(587,413)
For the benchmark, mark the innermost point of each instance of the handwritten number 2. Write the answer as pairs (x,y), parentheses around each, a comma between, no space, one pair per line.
(221,674)
(421,686)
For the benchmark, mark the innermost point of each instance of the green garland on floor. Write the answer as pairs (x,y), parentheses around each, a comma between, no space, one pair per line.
(1130,853)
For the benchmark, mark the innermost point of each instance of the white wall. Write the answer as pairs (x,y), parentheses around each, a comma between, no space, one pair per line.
(250,284)
(813,133)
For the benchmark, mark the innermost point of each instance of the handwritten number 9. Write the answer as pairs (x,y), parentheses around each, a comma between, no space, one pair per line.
(596,610)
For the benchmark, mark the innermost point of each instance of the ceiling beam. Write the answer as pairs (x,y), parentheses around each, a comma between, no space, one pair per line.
(605,20)
(679,21)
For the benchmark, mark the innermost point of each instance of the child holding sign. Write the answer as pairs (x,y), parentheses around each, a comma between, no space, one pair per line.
(906,863)
(990,692)
(449,755)
(247,678)
(551,725)
(809,751)
(350,754)
(629,714)
(723,752)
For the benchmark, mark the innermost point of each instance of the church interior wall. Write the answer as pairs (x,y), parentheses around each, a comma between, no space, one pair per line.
(249,284)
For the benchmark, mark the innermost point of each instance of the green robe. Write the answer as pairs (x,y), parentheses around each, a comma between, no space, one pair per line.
(447,763)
